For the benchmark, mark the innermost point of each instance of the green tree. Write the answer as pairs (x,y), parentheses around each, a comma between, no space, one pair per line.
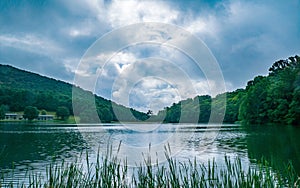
(254,107)
(63,113)
(233,103)
(89,116)
(293,117)
(150,112)
(31,113)
(173,113)
(205,108)
(105,115)
(43,112)
(2,112)
(275,98)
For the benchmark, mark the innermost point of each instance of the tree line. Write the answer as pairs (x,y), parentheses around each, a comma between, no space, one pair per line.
(274,98)
(266,99)
(31,112)
(20,89)
(198,109)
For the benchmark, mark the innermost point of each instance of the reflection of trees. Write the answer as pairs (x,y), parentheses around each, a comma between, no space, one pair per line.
(277,144)
(21,143)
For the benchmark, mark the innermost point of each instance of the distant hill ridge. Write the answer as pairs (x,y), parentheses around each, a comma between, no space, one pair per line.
(266,99)
(14,77)
(20,88)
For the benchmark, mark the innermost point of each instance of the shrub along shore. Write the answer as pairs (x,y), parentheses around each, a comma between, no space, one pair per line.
(110,171)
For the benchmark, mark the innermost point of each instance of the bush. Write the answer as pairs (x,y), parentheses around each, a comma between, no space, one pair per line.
(31,113)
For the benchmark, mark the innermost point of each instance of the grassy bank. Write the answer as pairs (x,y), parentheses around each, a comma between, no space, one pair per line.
(111,172)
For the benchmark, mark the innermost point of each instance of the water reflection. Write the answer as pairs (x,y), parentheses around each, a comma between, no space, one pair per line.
(278,144)
(34,147)
(23,145)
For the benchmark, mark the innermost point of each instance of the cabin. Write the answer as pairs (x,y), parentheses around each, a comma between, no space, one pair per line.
(45,117)
(13,116)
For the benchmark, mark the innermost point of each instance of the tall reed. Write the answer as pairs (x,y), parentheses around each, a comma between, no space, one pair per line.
(110,172)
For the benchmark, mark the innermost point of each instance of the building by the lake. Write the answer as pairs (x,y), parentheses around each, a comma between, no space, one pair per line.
(14,116)
(45,117)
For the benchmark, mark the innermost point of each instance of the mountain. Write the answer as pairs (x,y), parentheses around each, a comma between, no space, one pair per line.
(19,88)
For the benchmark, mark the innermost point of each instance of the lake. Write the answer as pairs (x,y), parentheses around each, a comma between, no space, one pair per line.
(27,147)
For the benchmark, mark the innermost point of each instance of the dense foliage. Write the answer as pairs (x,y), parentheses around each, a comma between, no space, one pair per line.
(274,98)
(43,112)
(189,110)
(62,112)
(2,111)
(198,109)
(19,89)
(31,113)
(267,99)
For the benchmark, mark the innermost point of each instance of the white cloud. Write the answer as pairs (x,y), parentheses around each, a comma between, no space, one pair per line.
(157,83)
(122,13)
(84,29)
(122,60)
(70,63)
(108,64)
(30,43)
(123,74)
(117,13)
(152,93)
(204,26)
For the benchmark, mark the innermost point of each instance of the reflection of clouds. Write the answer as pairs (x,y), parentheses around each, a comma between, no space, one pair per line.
(134,144)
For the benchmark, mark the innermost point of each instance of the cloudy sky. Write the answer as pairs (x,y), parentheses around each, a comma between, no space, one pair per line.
(245,37)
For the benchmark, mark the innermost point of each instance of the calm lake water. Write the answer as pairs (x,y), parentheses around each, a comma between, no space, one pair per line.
(26,147)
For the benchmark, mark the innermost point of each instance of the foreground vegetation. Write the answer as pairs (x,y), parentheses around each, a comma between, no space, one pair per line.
(112,172)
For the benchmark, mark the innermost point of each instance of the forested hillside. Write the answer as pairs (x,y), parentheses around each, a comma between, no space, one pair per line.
(19,89)
(267,99)
(274,98)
